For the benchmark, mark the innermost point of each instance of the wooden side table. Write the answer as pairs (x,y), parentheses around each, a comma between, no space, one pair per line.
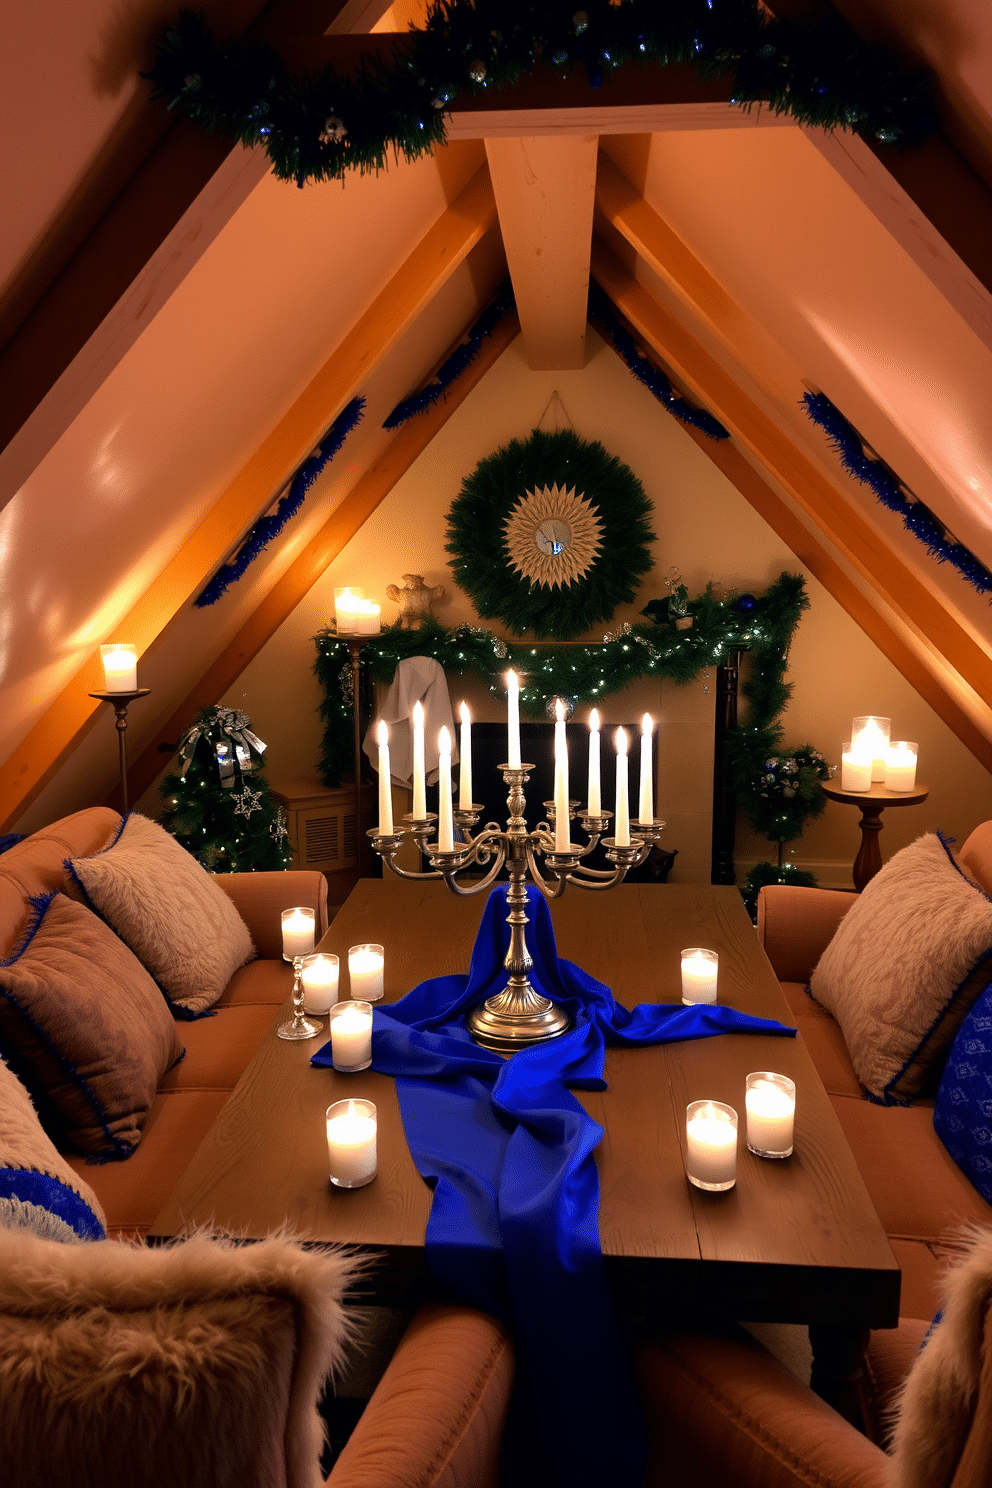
(872,802)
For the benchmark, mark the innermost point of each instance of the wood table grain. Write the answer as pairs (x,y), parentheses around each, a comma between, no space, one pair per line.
(794,1241)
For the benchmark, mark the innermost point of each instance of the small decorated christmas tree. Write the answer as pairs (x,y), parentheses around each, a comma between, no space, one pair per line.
(218,804)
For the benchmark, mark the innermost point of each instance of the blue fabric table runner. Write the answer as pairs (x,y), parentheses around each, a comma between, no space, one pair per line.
(514,1223)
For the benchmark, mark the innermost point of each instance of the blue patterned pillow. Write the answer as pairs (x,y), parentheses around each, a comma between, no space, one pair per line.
(962,1114)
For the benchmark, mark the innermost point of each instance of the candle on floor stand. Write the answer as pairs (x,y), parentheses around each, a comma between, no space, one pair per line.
(298,927)
(621,823)
(594,802)
(419,810)
(645,812)
(351,1036)
(700,969)
(385,782)
(351,1142)
(711,1145)
(120,667)
(900,766)
(562,834)
(513,720)
(770,1103)
(319,975)
(365,971)
(855,770)
(346,610)
(465,760)
(870,735)
(445,823)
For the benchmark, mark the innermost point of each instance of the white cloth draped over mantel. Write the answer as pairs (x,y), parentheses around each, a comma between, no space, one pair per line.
(418,679)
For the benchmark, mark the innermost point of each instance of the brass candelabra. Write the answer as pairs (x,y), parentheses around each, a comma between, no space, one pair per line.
(519,1014)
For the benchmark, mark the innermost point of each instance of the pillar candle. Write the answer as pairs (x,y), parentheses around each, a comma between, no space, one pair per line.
(368,617)
(365,972)
(120,668)
(562,834)
(855,770)
(346,604)
(319,975)
(770,1103)
(351,1036)
(870,735)
(297,932)
(513,720)
(645,812)
(385,783)
(900,766)
(622,821)
(465,760)
(419,776)
(351,1143)
(711,1144)
(594,803)
(445,825)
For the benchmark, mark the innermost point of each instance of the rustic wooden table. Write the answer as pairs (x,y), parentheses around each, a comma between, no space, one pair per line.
(795,1241)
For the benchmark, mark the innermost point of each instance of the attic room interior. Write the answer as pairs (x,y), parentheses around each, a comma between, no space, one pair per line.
(623,356)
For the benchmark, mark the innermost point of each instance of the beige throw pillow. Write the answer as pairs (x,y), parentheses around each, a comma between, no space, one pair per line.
(905,965)
(181,926)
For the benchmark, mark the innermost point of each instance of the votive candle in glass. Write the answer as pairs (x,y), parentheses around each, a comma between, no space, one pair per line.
(855,770)
(900,766)
(711,1145)
(298,928)
(120,667)
(347,606)
(699,974)
(351,1036)
(352,1130)
(319,975)
(365,971)
(770,1104)
(870,735)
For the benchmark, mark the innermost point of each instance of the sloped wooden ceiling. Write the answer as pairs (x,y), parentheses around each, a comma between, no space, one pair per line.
(180,329)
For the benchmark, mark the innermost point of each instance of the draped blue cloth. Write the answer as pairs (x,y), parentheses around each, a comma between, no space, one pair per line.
(514,1223)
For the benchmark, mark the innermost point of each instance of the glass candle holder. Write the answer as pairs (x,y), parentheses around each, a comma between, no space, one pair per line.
(900,765)
(319,975)
(348,606)
(365,971)
(351,1036)
(870,735)
(711,1145)
(770,1106)
(699,974)
(120,667)
(352,1131)
(298,929)
(855,769)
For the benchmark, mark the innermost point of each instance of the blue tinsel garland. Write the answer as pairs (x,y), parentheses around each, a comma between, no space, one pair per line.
(917,518)
(266,528)
(601,310)
(460,359)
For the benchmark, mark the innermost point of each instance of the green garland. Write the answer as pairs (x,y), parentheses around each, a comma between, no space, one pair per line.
(477,541)
(776,800)
(320,126)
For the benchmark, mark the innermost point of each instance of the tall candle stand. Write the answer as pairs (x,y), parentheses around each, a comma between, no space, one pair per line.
(120,701)
(518,1015)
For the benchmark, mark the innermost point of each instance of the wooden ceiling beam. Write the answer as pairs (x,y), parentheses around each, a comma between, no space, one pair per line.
(915,602)
(406,445)
(253,489)
(545,194)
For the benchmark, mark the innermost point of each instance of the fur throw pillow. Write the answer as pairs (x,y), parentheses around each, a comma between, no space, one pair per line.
(904,966)
(180,924)
(193,1364)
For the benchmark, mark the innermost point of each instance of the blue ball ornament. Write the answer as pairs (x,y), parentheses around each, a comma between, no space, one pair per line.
(746,603)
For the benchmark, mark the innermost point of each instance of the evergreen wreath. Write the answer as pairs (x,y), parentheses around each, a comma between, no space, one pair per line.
(319,126)
(607,502)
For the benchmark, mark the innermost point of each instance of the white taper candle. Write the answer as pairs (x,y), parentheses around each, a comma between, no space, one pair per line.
(513,720)
(645,811)
(385,787)
(562,836)
(419,776)
(594,792)
(622,822)
(465,760)
(445,825)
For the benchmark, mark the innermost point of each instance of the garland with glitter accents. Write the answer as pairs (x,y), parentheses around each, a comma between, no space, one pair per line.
(601,311)
(458,362)
(266,528)
(777,788)
(916,516)
(319,126)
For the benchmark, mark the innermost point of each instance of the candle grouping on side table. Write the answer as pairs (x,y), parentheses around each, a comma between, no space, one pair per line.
(319,975)
(298,928)
(700,970)
(385,782)
(770,1104)
(621,823)
(562,834)
(594,802)
(465,760)
(419,810)
(120,667)
(645,807)
(351,1036)
(711,1145)
(365,971)
(445,822)
(352,1130)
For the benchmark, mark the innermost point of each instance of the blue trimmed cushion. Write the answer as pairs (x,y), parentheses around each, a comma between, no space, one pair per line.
(39,1192)
(906,963)
(85,1028)
(962,1115)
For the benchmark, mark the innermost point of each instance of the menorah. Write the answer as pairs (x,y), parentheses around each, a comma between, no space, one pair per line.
(519,1014)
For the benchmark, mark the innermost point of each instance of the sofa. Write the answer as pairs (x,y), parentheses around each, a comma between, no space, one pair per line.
(201,1360)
